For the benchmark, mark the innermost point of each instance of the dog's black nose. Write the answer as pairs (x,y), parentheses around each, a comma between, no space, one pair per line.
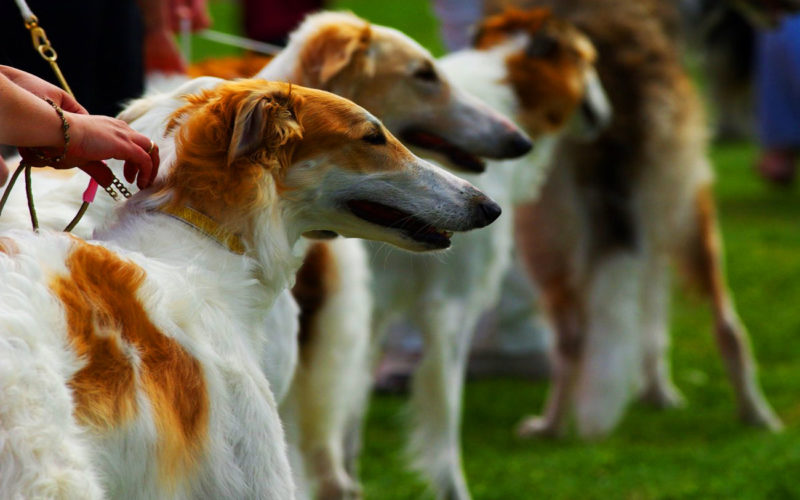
(488,211)
(517,146)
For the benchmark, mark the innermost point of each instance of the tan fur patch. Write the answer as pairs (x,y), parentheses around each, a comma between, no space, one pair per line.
(497,29)
(548,74)
(104,315)
(8,246)
(704,264)
(230,68)
(330,50)
(316,279)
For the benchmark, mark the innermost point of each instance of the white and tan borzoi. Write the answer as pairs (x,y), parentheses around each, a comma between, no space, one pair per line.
(544,78)
(396,78)
(130,366)
(614,213)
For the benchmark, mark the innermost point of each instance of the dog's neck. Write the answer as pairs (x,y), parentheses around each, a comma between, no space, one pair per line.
(141,226)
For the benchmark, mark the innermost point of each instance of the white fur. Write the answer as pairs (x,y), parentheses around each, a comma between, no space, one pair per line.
(445,294)
(214,303)
(328,395)
(335,426)
(326,406)
(213,306)
(450,292)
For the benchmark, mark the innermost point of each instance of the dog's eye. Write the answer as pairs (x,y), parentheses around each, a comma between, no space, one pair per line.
(541,46)
(427,74)
(375,137)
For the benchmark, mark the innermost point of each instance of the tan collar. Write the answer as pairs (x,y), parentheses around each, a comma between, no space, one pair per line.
(207,226)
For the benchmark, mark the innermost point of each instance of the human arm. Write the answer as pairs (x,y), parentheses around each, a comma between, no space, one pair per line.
(27,121)
(160,50)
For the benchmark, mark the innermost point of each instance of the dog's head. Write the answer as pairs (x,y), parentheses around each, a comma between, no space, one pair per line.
(551,70)
(398,81)
(315,161)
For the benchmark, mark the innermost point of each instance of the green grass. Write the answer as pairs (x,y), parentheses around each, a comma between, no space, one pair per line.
(697,452)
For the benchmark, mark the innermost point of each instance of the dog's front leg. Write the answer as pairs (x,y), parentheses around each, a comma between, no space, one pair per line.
(659,389)
(437,395)
(566,314)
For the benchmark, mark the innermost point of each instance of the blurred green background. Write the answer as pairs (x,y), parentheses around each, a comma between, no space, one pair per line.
(697,452)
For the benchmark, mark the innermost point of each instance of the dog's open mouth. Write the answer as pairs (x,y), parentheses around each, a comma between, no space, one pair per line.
(413,227)
(433,142)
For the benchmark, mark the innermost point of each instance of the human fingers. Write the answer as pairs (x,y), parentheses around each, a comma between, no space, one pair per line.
(152,151)
(138,165)
(200,18)
(3,171)
(155,158)
(43,88)
(161,53)
(99,172)
(30,157)
(68,103)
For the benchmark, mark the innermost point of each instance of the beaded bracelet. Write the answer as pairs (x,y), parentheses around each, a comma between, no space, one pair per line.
(64,129)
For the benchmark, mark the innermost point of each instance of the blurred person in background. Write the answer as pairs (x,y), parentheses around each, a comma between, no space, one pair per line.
(456,19)
(104,47)
(778,95)
(271,21)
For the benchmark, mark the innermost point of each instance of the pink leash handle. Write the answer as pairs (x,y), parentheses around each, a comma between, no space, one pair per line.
(91,191)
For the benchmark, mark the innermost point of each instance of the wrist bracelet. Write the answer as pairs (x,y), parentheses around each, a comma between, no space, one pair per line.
(64,129)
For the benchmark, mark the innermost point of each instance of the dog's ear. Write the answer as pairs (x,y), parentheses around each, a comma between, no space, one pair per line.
(497,28)
(263,121)
(332,50)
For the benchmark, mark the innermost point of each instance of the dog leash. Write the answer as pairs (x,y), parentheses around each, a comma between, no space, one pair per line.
(42,45)
(240,42)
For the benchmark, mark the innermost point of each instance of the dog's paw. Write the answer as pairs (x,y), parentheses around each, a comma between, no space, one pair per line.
(762,416)
(663,396)
(456,489)
(331,490)
(536,427)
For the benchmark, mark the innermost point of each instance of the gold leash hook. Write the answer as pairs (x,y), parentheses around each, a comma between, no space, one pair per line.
(42,45)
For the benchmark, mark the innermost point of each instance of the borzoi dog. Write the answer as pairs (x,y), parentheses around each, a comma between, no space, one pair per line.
(130,365)
(397,80)
(613,213)
(544,78)
(400,82)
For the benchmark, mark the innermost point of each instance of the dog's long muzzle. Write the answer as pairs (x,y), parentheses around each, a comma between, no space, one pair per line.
(595,112)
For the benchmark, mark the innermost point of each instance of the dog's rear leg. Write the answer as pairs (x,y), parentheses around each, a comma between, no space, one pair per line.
(436,396)
(610,371)
(566,314)
(659,390)
(704,263)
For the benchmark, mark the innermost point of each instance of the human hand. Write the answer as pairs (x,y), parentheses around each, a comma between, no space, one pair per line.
(3,172)
(94,138)
(161,53)
(42,88)
(194,10)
